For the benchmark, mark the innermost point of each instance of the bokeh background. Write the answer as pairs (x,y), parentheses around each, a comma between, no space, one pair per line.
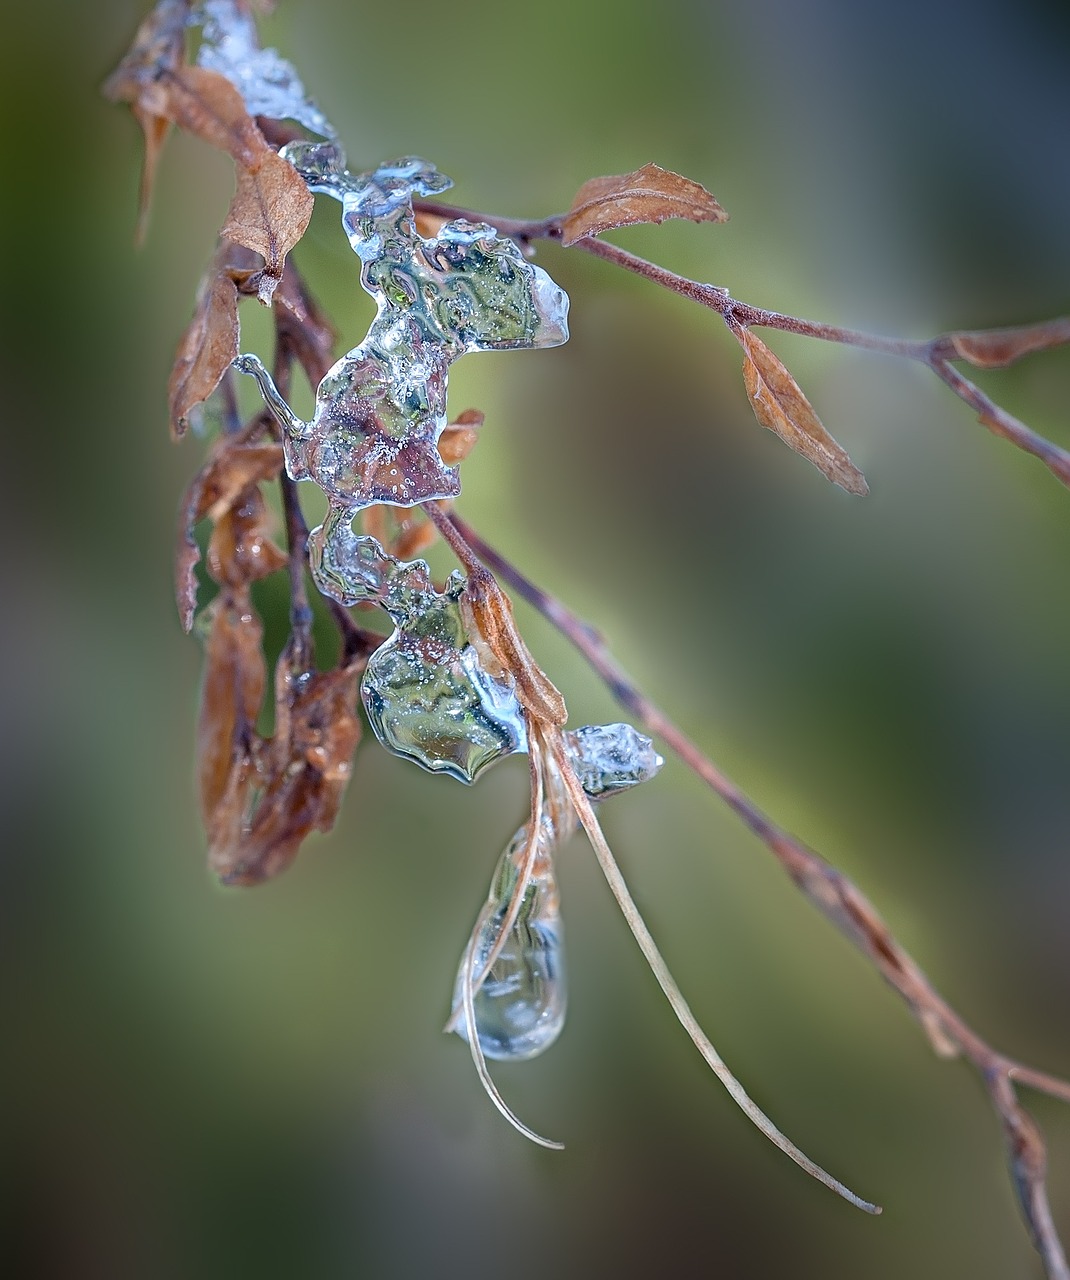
(227,1084)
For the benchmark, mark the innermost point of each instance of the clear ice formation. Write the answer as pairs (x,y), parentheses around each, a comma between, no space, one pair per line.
(427,697)
(521,1004)
(268,84)
(519,1009)
(381,408)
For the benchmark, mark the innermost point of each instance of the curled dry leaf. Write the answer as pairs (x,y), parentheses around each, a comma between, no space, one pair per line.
(158,45)
(996,348)
(270,213)
(206,104)
(303,772)
(216,489)
(240,549)
(307,331)
(205,350)
(272,205)
(234,679)
(488,617)
(460,436)
(780,405)
(650,194)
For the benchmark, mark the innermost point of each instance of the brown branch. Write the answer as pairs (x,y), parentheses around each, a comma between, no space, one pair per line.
(935,353)
(843,904)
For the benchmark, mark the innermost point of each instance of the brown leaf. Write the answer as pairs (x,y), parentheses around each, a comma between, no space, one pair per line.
(240,549)
(996,348)
(233,689)
(154,130)
(488,617)
(650,194)
(305,770)
(306,329)
(270,212)
(214,490)
(158,45)
(205,350)
(780,405)
(460,436)
(206,104)
(272,206)
(429,224)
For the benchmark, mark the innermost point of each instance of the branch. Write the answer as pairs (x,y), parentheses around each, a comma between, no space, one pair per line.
(984,348)
(846,907)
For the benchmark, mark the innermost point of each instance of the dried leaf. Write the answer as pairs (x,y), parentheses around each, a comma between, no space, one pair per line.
(306,329)
(996,348)
(240,549)
(460,436)
(780,405)
(488,616)
(270,212)
(206,104)
(272,206)
(306,768)
(234,680)
(650,194)
(205,351)
(429,224)
(154,130)
(158,45)
(214,490)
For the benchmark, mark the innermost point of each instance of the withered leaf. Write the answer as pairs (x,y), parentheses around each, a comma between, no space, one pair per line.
(306,329)
(780,405)
(304,771)
(205,350)
(215,489)
(650,194)
(240,549)
(207,105)
(158,45)
(154,130)
(272,205)
(460,436)
(996,348)
(488,617)
(270,212)
(234,680)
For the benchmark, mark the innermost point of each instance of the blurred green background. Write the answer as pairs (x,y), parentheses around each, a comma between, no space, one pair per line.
(227,1084)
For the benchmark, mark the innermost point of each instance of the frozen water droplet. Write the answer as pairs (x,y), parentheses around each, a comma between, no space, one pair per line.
(520,1006)
(611,757)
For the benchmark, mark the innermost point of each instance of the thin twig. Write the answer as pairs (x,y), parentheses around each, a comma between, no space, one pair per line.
(933,352)
(845,906)
(672,992)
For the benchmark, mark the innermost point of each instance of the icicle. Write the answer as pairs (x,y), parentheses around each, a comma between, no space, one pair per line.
(519,1008)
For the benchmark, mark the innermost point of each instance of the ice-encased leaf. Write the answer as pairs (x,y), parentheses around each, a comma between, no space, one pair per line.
(427,695)
(269,84)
